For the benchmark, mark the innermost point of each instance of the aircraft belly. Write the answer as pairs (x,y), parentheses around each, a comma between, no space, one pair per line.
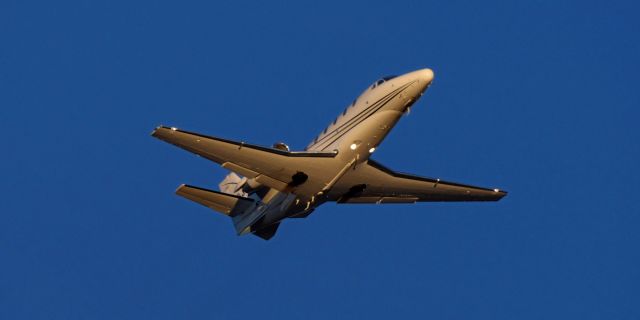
(368,134)
(289,206)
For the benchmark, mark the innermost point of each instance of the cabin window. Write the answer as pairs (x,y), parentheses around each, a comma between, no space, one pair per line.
(381,81)
(377,83)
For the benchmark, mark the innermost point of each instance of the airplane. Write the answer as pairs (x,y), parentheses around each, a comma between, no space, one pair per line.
(267,185)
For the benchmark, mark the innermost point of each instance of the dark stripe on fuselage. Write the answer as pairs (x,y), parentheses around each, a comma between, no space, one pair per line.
(353,125)
(359,115)
(338,128)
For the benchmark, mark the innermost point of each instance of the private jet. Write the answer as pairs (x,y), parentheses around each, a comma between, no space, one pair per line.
(267,185)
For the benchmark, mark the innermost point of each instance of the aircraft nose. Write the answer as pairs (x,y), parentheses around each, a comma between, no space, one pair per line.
(423,78)
(425,75)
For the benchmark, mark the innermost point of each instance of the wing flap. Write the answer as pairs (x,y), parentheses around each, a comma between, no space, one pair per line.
(378,200)
(261,178)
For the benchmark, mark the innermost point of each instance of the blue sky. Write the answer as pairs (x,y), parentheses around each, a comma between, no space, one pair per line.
(539,98)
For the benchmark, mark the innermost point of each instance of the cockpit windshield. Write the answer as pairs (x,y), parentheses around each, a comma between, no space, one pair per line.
(381,81)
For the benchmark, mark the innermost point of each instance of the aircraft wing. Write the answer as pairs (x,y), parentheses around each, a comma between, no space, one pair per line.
(296,172)
(371,182)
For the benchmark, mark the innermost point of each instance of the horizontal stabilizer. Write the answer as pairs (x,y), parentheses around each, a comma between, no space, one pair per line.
(224,203)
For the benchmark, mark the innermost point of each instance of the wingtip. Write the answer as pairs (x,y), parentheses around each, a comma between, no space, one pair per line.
(155,130)
(501,193)
(179,188)
(158,129)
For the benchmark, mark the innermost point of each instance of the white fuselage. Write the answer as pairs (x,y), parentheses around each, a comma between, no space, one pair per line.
(355,134)
(364,124)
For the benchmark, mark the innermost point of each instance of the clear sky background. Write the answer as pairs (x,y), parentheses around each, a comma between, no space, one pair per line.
(539,98)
